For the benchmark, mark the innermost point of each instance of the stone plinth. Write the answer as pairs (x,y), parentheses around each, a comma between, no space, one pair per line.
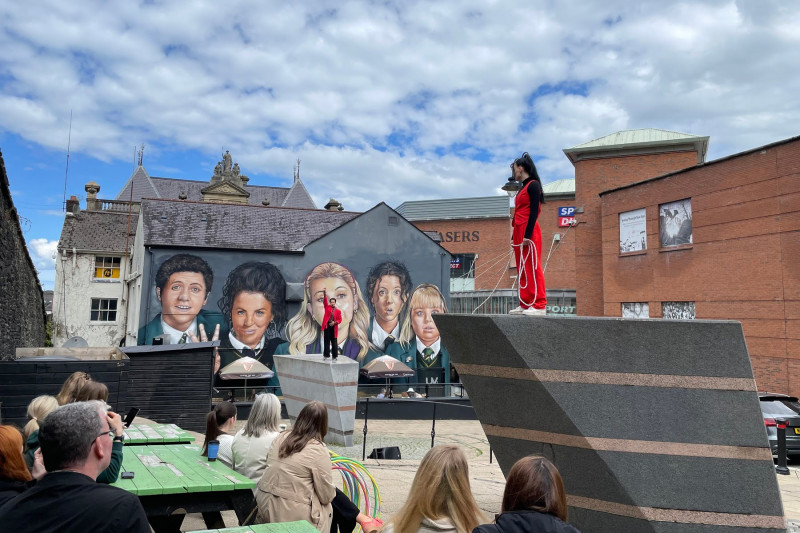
(654,425)
(308,377)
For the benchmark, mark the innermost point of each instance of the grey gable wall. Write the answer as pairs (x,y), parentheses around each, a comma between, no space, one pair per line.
(358,244)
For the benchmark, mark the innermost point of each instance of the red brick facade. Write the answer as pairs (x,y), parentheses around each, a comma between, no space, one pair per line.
(743,263)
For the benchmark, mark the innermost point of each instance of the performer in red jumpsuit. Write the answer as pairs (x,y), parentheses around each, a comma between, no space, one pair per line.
(526,238)
(330,327)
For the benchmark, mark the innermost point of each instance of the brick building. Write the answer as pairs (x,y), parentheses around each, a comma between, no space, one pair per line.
(722,241)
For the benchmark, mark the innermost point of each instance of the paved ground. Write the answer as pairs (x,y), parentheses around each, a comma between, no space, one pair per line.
(394,478)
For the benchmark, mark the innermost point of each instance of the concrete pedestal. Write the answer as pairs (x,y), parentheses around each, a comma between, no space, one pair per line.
(309,377)
(654,424)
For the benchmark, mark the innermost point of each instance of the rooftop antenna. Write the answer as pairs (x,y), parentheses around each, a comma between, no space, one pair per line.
(66,172)
(134,158)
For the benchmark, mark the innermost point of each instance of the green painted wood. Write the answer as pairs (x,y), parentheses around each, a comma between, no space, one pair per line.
(202,467)
(173,434)
(134,436)
(143,483)
(152,435)
(184,471)
(167,475)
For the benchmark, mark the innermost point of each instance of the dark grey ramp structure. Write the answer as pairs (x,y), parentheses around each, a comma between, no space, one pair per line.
(653,424)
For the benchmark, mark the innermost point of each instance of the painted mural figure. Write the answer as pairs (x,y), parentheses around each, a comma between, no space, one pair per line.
(389,286)
(183,283)
(527,238)
(420,345)
(304,329)
(254,306)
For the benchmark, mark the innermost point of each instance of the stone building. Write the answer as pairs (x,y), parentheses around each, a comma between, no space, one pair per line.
(93,270)
(22,314)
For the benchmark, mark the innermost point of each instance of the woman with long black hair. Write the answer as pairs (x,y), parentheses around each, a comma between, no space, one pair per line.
(526,239)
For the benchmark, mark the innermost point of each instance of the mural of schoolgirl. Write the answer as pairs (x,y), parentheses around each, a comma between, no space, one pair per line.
(303,330)
(254,305)
(183,282)
(388,286)
(420,345)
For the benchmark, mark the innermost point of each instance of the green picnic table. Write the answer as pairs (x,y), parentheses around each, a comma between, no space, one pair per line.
(175,478)
(282,527)
(157,434)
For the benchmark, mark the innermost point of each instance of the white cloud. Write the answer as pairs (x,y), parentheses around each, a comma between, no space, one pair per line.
(394,101)
(42,253)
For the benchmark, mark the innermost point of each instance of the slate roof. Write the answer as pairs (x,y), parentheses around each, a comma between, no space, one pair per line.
(234,226)
(97,231)
(456,208)
(145,186)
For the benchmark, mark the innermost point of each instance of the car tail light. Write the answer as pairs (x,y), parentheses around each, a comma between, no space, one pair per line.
(770,422)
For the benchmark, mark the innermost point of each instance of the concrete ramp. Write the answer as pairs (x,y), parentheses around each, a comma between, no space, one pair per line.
(654,425)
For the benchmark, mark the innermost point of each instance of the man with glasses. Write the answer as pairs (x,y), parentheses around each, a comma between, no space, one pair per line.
(76,443)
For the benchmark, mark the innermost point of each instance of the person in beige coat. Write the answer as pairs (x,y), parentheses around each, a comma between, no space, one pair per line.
(298,482)
(440,500)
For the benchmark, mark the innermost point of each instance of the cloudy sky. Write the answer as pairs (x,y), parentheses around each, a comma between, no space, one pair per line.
(382,101)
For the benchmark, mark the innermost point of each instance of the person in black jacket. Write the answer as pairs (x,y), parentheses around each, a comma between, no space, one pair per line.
(533,501)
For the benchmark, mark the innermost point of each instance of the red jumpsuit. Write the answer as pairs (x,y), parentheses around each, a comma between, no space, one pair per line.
(530,275)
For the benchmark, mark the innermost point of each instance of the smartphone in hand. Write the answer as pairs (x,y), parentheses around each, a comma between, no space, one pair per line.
(130,416)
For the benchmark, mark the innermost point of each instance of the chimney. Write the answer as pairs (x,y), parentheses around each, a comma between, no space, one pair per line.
(92,189)
(333,205)
(73,205)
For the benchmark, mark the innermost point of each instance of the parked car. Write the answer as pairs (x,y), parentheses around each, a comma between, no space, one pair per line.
(780,406)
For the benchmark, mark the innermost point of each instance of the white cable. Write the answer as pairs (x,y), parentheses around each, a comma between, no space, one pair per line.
(521,269)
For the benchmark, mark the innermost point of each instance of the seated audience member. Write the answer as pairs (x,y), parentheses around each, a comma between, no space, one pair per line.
(440,500)
(534,500)
(76,443)
(71,386)
(252,443)
(298,482)
(382,393)
(219,424)
(14,475)
(38,409)
(96,391)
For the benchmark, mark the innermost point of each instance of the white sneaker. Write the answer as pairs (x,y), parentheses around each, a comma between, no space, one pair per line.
(534,312)
(517,311)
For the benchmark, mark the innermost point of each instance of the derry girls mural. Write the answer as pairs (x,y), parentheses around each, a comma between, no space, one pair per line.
(259,304)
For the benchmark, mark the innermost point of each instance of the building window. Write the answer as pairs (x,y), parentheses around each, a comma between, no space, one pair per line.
(106,267)
(104,310)
(678,310)
(632,231)
(635,310)
(462,272)
(675,223)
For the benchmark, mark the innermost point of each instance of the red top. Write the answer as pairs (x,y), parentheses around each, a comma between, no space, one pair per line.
(526,197)
(337,316)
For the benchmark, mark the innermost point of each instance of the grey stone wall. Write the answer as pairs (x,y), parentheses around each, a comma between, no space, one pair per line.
(22,316)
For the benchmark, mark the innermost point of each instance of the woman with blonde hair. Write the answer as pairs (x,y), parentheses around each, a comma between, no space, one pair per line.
(38,409)
(440,500)
(534,500)
(71,386)
(304,330)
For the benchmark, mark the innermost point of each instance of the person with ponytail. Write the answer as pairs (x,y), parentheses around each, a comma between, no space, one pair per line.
(219,425)
(71,386)
(38,409)
(526,239)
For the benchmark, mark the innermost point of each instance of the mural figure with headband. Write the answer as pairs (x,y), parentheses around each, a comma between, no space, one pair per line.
(526,239)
